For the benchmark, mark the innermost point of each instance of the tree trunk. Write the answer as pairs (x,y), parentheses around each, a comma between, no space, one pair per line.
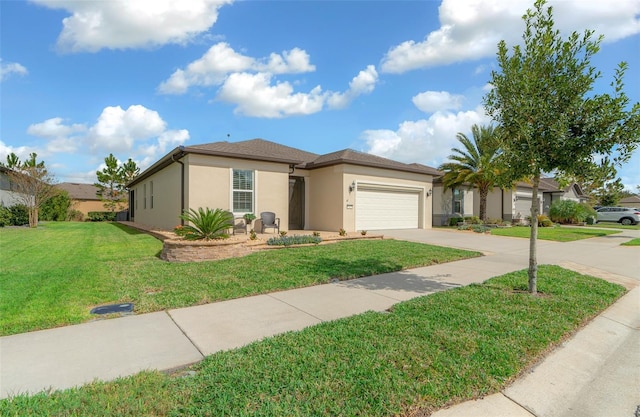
(33,216)
(483,203)
(533,260)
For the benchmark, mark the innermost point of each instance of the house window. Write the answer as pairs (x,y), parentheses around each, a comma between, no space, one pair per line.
(458,201)
(151,193)
(144,199)
(242,191)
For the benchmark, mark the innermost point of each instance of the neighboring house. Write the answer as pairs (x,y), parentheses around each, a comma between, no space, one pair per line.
(84,197)
(515,204)
(8,197)
(552,193)
(448,203)
(632,201)
(345,189)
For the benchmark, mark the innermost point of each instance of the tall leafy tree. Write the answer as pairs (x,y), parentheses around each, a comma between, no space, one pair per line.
(112,181)
(553,122)
(477,164)
(33,186)
(12,161)
(110,184)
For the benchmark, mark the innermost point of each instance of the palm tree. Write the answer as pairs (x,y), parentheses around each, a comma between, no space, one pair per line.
(477,164)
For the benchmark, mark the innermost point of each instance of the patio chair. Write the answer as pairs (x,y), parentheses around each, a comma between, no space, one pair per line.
(239,224)
(269,219)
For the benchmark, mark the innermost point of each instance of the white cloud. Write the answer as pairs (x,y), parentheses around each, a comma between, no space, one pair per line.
(117,129)
(60,137)
(121,24)
(6,69)
(428,141)
(255,96)
(432,101)
(471,29)
(21,151)
(363,83)
(221,60)
(251,83)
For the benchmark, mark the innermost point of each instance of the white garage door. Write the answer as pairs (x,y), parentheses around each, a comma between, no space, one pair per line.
(387,209)
(522,206)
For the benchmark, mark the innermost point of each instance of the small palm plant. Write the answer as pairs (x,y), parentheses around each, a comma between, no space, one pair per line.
(205,224)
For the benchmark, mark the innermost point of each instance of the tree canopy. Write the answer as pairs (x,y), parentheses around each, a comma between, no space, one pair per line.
(477,164)
(113,179)
(543,99)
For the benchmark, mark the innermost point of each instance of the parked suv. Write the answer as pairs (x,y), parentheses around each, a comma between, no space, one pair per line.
(624,215)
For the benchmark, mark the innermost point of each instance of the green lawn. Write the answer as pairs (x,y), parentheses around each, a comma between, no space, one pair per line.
(560,234)
(53,275)
(611,225)
(428,352)
(632,242)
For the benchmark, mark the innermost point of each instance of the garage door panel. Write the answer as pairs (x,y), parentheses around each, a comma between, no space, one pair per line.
(385,209)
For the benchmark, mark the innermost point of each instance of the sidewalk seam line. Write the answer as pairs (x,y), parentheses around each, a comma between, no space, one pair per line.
(185,334)
(604,316)
(518,404)
(300,310)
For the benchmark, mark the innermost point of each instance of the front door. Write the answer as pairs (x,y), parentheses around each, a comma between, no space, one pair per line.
(296,203)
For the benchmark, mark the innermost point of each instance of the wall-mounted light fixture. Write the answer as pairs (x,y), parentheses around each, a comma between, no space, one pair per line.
(429,192)
(352,186)
(292,168)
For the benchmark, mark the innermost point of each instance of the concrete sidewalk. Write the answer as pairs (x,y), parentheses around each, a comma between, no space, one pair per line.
(70,356)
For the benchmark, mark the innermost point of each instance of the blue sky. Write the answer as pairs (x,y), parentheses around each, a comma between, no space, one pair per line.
(399,79)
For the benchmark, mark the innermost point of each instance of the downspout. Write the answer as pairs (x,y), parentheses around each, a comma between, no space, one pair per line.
(173,158)
(502,203)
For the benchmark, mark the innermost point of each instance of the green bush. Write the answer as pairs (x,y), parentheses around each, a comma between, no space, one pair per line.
(570,212)
(205,224)
(19,215)
(101,216)
(75,215)
(473,220)
(544,221)
(453,221)
(56,208)
(5,216)
(293,240)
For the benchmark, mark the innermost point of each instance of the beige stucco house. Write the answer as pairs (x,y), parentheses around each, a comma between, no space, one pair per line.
(345,189)
(631,201)
(84,197)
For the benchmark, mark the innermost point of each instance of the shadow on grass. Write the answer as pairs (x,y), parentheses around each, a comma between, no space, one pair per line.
(127,229)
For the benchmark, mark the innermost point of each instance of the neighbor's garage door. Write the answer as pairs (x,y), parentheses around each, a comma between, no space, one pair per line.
(387,209)
(522,206)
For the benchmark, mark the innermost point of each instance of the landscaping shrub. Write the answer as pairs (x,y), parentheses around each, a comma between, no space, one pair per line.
(56,208)
(75,215)
(101,216)
(19,215)
(5,216)
(205,224)
(570,212)
(544,221)
(473,220)
(453,221)
(293,240)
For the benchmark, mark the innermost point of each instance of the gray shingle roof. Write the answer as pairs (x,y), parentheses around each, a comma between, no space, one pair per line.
(264,150)
(257,149)
(349,156)
(79,191)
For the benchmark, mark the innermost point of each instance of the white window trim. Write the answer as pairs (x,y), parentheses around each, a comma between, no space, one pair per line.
(254,203)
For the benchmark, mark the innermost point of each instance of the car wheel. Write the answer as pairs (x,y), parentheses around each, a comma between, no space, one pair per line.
(626,221)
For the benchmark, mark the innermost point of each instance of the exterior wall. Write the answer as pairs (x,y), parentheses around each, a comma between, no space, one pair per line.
(632,204)
(8,198)
(443,204)
(326,198)
(210,178)
(166,199)
(85,206)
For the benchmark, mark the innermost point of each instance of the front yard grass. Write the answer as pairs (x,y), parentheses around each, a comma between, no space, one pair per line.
(559,234)
(426,353)
(632,242)
(53,275)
